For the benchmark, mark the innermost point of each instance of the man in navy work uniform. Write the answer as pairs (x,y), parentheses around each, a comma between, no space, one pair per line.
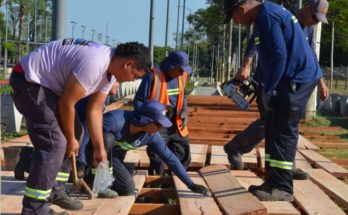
(127,130)
(290,72)
(166,84)
(47,83)
(312,13)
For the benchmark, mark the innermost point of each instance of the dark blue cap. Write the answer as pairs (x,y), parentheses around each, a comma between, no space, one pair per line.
(176,58)
(151,111)
(229,7)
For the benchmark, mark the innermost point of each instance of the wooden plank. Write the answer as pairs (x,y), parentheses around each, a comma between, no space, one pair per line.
(331,145)
(154,209)
(247,178)
(318,160)
(198,155)
(138,156)
(232,197)
(122,204)
(336,189)
(312,200)
(194,203)
(158,195)
(301,162)
(22,139)
(218,156)
(307,143)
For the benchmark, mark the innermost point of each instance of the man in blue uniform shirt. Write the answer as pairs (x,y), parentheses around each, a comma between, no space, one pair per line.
(312,13)
(126,130)
(290,73)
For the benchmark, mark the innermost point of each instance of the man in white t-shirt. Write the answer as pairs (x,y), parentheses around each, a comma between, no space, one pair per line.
(47,83)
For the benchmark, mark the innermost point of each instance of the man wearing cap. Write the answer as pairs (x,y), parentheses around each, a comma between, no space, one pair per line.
(290,72)
(166,84)
(126,130)
(314,12)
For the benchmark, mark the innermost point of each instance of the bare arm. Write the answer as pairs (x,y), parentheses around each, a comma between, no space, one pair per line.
(73,91)
(323,90)
(244,72)
(95,122)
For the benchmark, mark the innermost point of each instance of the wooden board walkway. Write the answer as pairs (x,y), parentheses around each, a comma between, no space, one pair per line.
(218,156)
(231,196)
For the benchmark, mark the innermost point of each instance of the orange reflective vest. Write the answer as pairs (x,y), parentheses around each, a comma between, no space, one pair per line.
(161,93)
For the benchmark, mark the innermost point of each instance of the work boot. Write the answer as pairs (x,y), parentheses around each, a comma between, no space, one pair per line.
(299,174)
(265,192)
(64,201)
(234,157)
(23,164)
(52,212)
(108,194)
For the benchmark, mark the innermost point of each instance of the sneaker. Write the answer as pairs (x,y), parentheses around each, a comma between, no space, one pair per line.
(108,194)
(299,174)
(234,157)
(52,212)
(64,201)
(265,192)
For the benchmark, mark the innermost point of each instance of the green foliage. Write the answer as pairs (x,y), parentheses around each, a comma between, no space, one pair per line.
(160,53)
(11,48)
(334,153)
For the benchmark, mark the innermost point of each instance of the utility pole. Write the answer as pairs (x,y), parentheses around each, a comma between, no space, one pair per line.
(223,74)
(212,63)
(6,26)
(35,21)
(239,45)
(230,51)
(93,32)
(332,54)
(73,28)
(59,19)
(83,31)
(151,30)
(167,28)
(183,24)
(177,27)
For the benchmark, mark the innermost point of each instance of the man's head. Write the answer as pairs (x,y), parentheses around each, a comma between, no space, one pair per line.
(151,117)
(176,63)
(240,11)
(130,61)
(315,11)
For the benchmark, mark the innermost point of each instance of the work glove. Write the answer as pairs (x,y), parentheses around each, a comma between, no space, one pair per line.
(184,118)
(268,100)
(197,188)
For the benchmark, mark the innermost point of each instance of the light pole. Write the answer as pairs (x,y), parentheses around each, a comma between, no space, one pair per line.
(73,27)
(167,28)
(177,27)
(93,32)
(83,31)
(183,24)
(100,35)
(113,42)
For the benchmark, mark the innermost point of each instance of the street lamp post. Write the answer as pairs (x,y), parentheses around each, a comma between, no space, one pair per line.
(83,31)
(177,27)
(73,27)
(93,32)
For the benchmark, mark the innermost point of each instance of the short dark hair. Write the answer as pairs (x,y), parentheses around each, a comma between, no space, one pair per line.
(136,51)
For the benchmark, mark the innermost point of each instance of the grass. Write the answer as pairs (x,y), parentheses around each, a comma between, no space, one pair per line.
(334,153)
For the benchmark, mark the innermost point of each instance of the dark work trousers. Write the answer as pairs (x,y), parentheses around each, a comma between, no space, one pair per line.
(246,140)
(282,132)
(39,107)
(178,145)
(122,173)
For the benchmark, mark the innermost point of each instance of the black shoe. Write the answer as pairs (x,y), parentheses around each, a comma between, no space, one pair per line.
(52,212)
(23,164)
(299,174)
(265,192)
(64,201)
(234,157)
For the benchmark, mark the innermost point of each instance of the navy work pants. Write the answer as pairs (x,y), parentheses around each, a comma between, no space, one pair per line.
(281,130)
(178,145)
(48,171)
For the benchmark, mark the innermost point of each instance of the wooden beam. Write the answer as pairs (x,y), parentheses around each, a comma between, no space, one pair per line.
(194,203)
(154,209)
(336,189)
(198,155)
(231,196)
(155,181)
(158,195)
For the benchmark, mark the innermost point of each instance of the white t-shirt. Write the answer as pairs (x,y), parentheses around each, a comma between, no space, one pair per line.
(52,64)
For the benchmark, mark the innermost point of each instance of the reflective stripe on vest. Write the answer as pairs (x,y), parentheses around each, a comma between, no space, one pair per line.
(160,91)
(124,145)
(62,176)
(36,193)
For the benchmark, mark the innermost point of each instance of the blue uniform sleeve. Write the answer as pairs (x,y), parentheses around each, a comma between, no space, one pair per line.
(277,52)
(144,90)
(250,50)
(109,122)
(160,148)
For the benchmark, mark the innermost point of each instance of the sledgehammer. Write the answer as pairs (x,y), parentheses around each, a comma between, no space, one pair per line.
(79,182)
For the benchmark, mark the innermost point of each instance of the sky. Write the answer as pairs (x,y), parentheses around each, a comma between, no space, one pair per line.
(127,20)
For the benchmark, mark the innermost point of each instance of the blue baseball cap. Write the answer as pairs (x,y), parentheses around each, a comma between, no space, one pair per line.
(174,59)
(151,111)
